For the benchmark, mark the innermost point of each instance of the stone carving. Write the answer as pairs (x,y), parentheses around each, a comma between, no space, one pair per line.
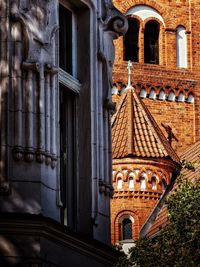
(112,24)
(38,21)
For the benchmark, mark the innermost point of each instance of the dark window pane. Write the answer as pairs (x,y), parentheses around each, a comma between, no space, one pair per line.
(65,39)
(127,229)
(131,41)
(67,156)
(151,43)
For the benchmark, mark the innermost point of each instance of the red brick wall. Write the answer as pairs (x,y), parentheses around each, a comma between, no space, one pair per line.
(139,209)
(182,117)
(186,122)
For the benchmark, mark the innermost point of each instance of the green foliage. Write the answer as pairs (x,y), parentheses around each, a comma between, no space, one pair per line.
(188,165)
(123,260)
(178,244)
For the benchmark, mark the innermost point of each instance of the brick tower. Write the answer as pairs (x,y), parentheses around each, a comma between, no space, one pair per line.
(144,164)
(163,43)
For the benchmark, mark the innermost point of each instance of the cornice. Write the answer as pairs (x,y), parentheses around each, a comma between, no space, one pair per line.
(12,224)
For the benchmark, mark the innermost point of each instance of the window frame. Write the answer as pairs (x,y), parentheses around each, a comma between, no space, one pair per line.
(69,84)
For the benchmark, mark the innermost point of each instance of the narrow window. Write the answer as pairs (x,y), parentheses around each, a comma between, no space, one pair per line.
(67,155)
(162,95)
(171,96)
(190,98)
(65,39)
(152,94)
(127,229)
(142,183)
(131,41)
(69,87)
(114,90)
(131,183)
(143,93)
(181,47)
(151,42)
(181,97)
(119,183)
(154,186)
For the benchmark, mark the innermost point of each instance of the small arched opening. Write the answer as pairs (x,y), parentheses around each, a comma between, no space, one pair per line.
(151,42)
(131,47)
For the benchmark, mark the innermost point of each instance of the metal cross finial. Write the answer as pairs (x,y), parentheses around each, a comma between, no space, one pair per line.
(130,65)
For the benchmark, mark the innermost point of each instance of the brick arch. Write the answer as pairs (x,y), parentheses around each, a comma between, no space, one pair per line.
(179,22)
(140,21)
(156,19)
(117,224)
(125,5)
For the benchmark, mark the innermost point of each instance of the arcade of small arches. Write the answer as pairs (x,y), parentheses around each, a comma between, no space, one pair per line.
(162,93)
(140,180)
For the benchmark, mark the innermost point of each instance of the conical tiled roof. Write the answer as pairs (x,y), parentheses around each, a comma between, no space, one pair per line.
(135,132)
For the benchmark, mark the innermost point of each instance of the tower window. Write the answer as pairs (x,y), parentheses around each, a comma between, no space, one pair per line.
(143,93)
(171,96)
(162,95)
(190,98)
(142,184)
(119,183)
(127,229)
(131,183)
(181,47)
(151,42)
(131,41)
(154,186)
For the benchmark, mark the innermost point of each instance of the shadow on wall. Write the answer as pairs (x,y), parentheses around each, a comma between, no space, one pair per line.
(23,252)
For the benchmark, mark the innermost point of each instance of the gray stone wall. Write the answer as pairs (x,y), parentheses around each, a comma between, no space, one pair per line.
(29,110)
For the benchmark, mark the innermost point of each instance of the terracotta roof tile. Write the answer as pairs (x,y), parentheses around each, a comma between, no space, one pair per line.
(135,132)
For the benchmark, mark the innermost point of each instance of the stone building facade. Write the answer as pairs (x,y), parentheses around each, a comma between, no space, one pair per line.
(55,144)
(163,44)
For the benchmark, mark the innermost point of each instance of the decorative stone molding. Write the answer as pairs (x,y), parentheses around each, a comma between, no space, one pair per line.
(106,189)
(112,25)
(34,26)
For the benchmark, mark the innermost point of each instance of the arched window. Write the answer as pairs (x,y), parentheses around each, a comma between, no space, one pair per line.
(126,229)
(154,186)
(181,97)
(151,42)
(131,41)
(114,90)
(142,183)
(119,183)
(171,96)
(131,183)
(181,47)
(162,95)
(143,93)
(152,94)
(190,98)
